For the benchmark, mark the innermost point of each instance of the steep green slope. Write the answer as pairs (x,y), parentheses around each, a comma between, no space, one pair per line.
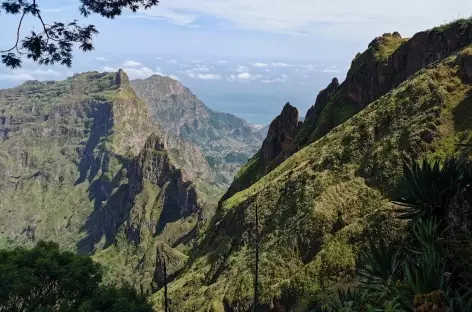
(82,164)
(320,204)
(388,62)
(227,141)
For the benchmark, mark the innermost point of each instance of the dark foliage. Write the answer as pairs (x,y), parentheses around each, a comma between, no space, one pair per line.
(113,299)
(381,267)
(427,189)
(45,278)
(55,42)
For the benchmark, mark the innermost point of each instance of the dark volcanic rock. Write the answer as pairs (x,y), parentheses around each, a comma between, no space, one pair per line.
(464,60)
(280,136)
(281,133)
(323,98)
(372,75)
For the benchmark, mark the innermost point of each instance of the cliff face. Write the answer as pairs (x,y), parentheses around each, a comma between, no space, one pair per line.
(330,195)
(280,136)
(226,140)
(281,133)
(390,60)
(82,164)
(162,214)
(323,98)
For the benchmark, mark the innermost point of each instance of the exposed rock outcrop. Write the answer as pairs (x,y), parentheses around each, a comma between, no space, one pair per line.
(281,133)
(464,60)
(390,60)
(323,98)
(178,198)
(280,136)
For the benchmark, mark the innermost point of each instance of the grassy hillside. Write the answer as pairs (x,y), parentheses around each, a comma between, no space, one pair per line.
(317,208)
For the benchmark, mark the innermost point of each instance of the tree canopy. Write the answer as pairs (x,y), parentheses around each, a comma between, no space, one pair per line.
(45,278)
(55,42)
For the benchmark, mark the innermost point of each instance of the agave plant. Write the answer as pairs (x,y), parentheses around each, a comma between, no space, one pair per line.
(425,271)
(318,308)
(382,265)
(427,189)
(350,299)
(427,275)
(460,302)
(429,233)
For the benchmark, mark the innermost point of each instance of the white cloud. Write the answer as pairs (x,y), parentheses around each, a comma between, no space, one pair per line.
(110,69)
(158,58)
(140,73)
(172,61)
(222,62)
(244,76)
(241,69)
(331,70)
(201,68)
(260,65)
(282,78)
(197,61)
(209,76)
(99,58)
(130,63)
(280,65)
(17,77)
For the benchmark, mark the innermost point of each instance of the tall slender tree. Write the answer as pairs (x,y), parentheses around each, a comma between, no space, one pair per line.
(256,273)
(166,300)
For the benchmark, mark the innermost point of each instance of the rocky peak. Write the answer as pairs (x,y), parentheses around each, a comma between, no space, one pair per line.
(390,59)
(121,79)
(323,98)
(281,133)
(385,37)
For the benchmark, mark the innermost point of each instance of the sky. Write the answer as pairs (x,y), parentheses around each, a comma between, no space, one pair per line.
(246,57)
